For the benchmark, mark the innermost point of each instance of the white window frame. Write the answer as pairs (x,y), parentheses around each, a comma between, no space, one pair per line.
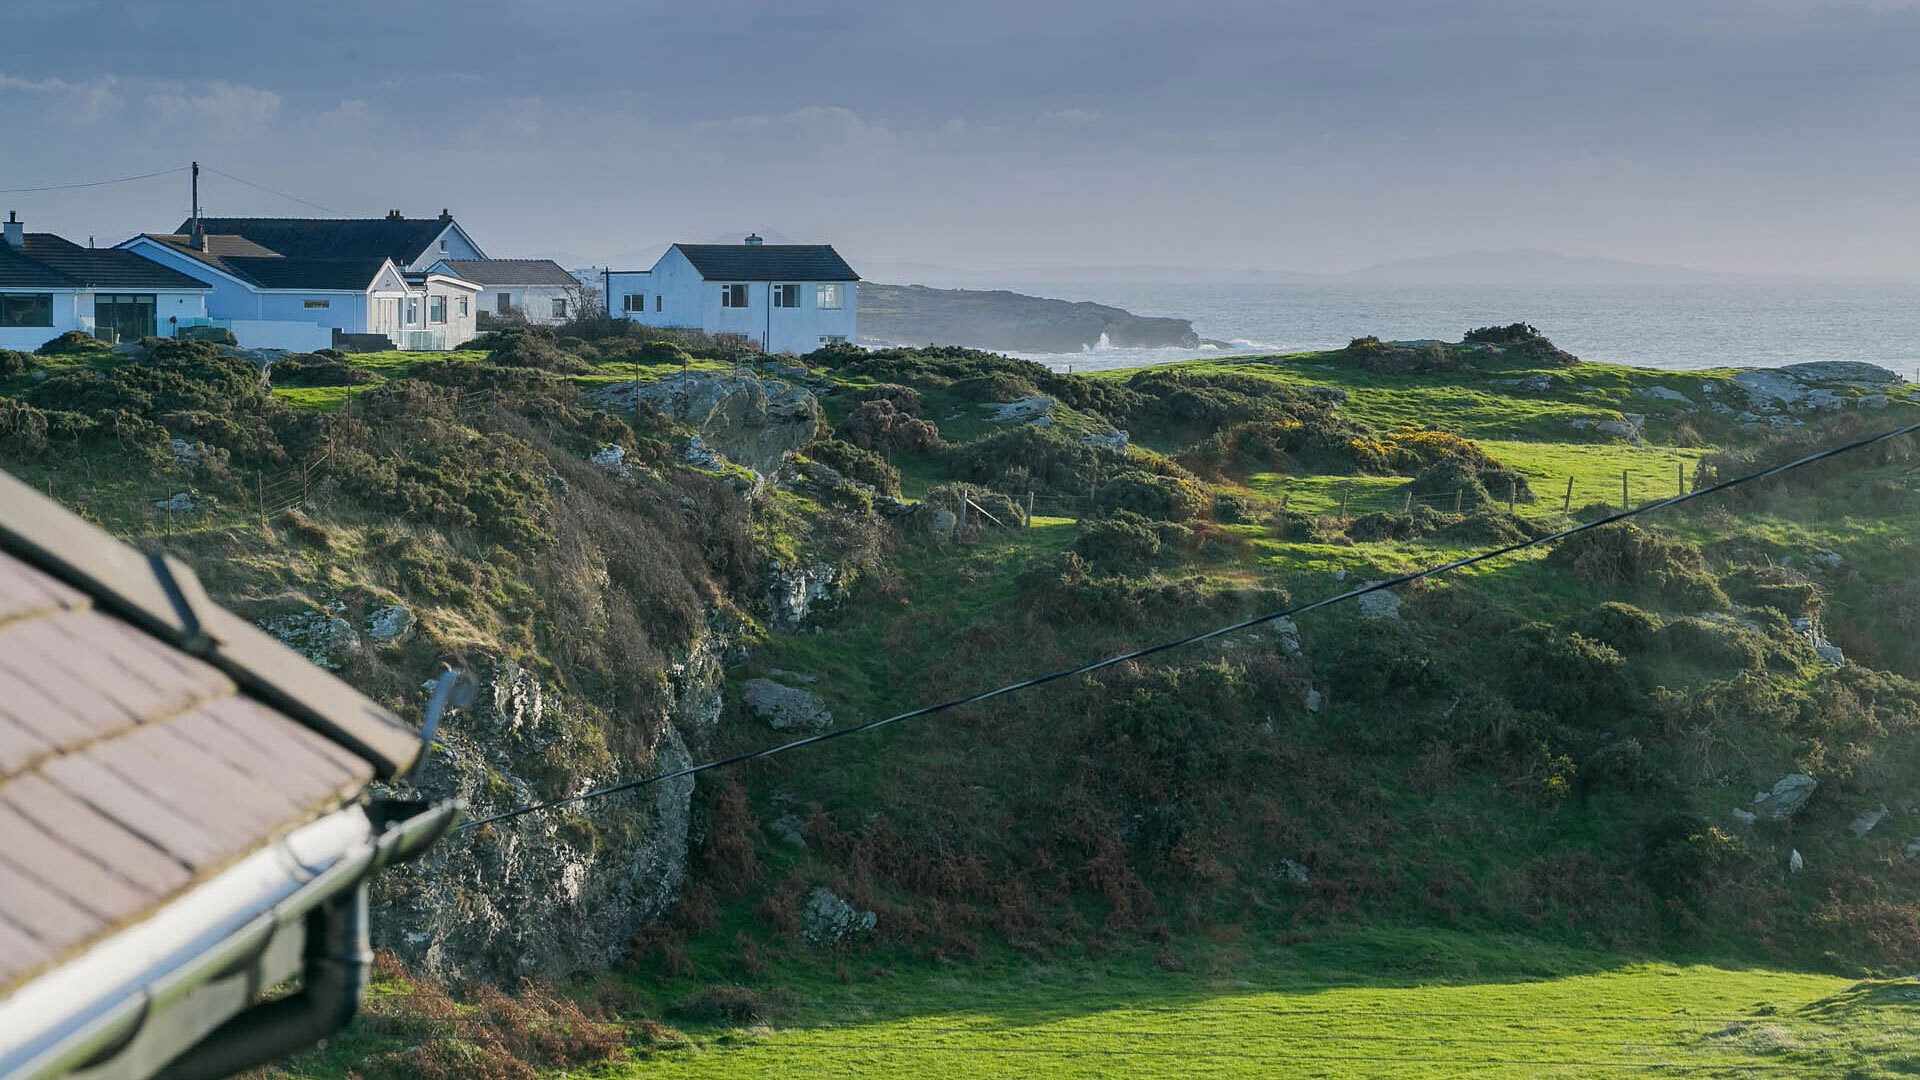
(829,297)
(633,302)
(316,305)
(733,290)
(559,307)
(785,296)
(436,310)
(463,307)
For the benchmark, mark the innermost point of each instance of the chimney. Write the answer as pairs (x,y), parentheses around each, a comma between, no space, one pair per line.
(753,240)
(444,215)
(198,237)
(15,232)
(393,215)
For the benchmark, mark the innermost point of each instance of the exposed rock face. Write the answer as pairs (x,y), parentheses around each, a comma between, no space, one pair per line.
(1785,798)
(1843,372)
(389,624)
(755,422)
(1381,604)
(554,893)
(1865,823)
(321,636)
(794,593)
(917,315)
(786,708)
(1036,410)
(180,502)
(1815,385)
(827,920)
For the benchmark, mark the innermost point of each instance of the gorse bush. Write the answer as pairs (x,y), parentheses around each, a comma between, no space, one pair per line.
(906,400)
(1658,565)
(1161,498)
(74,343)
(14,364)
(856,463)
(313,369)
(879,424)
(1123,539)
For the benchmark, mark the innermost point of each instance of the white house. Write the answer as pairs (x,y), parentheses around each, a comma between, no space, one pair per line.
(49,286)
(312,283)
(538,291)
(791,298)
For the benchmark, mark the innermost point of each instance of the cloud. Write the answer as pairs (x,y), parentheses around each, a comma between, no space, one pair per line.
(224,109)
(349,111)
(1070,116)
(91,100)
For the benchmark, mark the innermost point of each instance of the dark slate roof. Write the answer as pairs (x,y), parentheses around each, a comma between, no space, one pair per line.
(768,262)
(46,261)
(511,271)
(261,267)
(131,768)
(400,239)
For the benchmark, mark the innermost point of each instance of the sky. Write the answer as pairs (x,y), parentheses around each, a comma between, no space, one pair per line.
(999,137)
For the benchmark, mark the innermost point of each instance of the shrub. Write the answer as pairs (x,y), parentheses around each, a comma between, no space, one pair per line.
(23,428)
(13,364)
(1787,591)
(880,425)
(993,386)
(659,352)
(1681,856)
(1162,498)
(527,347)
(856,463)
(1563,673)
(1654,562)
(1123,539)
(1522,342)
(315,369)
(73,343)
(1230,509)
(905,399)
(1623,626)
(1448,484)
(1043,459)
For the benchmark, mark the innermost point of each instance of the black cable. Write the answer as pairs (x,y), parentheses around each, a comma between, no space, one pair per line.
(92,183)
(1244,624)
(271,191)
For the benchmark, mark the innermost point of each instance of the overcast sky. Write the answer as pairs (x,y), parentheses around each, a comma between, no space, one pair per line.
(1755,135)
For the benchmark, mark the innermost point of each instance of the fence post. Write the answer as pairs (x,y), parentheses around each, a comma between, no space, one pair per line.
(1406,505)
(1029,508)
(1680,474)
(1456,500)
(1345,489)
(1625,499)
(260,496)
(1513,496)
(1566,504)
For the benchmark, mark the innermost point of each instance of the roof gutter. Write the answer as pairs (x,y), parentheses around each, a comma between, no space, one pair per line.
(312,880)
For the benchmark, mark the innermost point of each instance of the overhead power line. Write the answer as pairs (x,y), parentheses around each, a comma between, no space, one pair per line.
(1194,639)
(93,183)
(272,191)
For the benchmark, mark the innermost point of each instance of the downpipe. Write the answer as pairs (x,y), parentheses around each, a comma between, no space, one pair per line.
(339,958)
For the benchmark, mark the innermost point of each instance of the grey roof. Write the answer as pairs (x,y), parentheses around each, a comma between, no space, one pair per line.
(768,262)
(261,267)
(131,767)
(46,261)
(511,271)
(401,239)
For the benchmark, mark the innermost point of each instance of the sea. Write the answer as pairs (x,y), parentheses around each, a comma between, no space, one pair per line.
(1722,324)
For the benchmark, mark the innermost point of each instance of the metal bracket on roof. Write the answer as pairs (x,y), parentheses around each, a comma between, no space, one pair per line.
(189,599)
(453,689)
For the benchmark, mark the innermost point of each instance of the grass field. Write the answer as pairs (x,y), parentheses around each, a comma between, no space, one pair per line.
(1375,1004)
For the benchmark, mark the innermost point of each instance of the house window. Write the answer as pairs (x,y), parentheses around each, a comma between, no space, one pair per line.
(656,302)
(785,295)
(316,305)
(436,309)
(633,302)
(833,339)
(26,309)
(120,317)
(503,303)
(463,307)
(733,296)
(827,297)
(413,311)
(559,309)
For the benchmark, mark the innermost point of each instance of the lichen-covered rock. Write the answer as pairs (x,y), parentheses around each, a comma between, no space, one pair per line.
(1785,798)
(1868,819)
(180,503)
(826,920)
(389,624)
(611,458)
(1379,604)
(1111,439)
(322,637)
(1036,410)
(795,593)
(786,708)
(700,455)
(755,422)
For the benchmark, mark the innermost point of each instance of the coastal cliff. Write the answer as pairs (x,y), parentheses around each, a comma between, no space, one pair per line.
(1010,321)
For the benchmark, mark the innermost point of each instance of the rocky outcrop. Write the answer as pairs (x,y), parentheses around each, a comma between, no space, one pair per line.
(754,422)
(1785,798)
(827,920)
(795,593)
(786,708)
(546,894)
(1009,321)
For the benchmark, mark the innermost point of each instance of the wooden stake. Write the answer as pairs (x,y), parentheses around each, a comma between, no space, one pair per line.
(1406,506)
(1029,508)
(1624,497)
(1456,500)
(1680,474)
(1513,496)
(1345,489)
(260,496)
(1566,504)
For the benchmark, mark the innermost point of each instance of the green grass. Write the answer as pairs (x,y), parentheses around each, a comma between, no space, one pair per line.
(1367,1004)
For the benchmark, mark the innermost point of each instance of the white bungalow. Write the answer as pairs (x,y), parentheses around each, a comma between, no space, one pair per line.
(791,298)
(49,286)
(311,283)
(538,291)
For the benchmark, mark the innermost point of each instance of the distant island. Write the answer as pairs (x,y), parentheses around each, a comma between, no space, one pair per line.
(1008,321)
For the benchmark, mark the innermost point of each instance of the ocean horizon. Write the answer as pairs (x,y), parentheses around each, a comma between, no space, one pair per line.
(1679,326)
